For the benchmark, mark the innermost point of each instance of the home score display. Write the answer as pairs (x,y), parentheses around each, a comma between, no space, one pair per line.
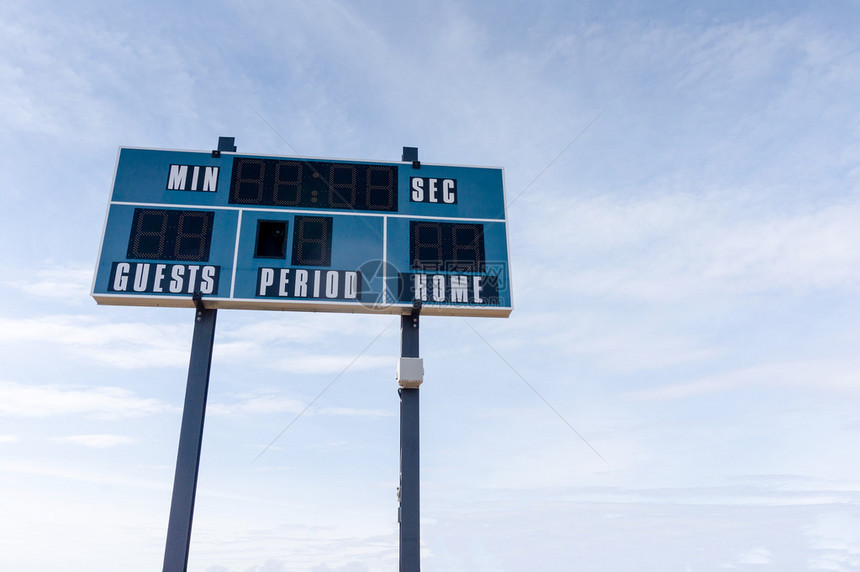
(287,233)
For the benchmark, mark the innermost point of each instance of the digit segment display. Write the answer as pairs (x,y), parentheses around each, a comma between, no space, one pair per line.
(318,184)
(312,241)
(288,233)
(446,246)
(161,234)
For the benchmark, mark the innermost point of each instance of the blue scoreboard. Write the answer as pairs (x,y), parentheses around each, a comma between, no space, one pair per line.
(289,233)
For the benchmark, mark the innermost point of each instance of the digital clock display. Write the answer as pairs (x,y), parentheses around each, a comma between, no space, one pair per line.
(286,233)
(313,184)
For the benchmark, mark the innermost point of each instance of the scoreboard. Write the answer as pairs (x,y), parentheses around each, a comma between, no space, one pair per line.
(292,233)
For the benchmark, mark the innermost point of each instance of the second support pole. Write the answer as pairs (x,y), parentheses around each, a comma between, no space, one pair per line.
(410,498)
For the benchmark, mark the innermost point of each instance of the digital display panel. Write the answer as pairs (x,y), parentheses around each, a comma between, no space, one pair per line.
(446,246)
(318,184)
(312,241)
(286,233)
(161,234)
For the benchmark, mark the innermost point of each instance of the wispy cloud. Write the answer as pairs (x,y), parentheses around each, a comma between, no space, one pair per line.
(273,403)
(24,400)
(352,412)
(96,441)
(135,345)
(835,536)
(811,375)
(68,284)
(125,345)
(758,555)
(676,245)
(301,343)
(320,363)
(263,404)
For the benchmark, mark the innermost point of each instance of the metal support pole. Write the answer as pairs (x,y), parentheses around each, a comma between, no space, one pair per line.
(191,432)
(190,441)
(410,505)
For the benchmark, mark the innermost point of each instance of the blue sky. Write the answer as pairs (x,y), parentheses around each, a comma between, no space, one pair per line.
(685,260)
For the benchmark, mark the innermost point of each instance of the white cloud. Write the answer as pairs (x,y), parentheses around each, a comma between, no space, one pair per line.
(96,441)
(321,363)
(69,284)
(672,247)
(626,347)
(734,54)
(835,537)
(80,78)
(8,439)
(628,534)
(23,400)
(759,555)
(54,470)
(126,345)
(263,404)
(135,345)
(291,327)
(353,412)
(298,342)
(811,375)
(274,403)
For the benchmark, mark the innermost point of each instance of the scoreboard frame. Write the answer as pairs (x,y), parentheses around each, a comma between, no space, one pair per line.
(264,232)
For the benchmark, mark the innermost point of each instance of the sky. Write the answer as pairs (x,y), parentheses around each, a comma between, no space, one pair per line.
(676,389)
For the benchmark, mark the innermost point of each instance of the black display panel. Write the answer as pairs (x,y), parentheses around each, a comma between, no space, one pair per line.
(313,184)
(163,234)
(312,241)
(445,246)
(271,239)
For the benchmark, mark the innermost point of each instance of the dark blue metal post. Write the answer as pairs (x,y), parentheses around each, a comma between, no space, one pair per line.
(190,440)
(410,499)
(191,433)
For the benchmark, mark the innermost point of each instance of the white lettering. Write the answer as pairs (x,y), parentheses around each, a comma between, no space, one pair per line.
(176,279)
(141,277)
(476,290)
(267,278)
(210,179)
(316,283)
(194,176)
(120,279)
(448,190)
(159,277)
(417,189)
(176,180)
(285,279)
(331,281)
(459,289)
(300,285)
(433,191)
(192,278)
(207,284)
(350,285)
(419,287)
(439,288)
